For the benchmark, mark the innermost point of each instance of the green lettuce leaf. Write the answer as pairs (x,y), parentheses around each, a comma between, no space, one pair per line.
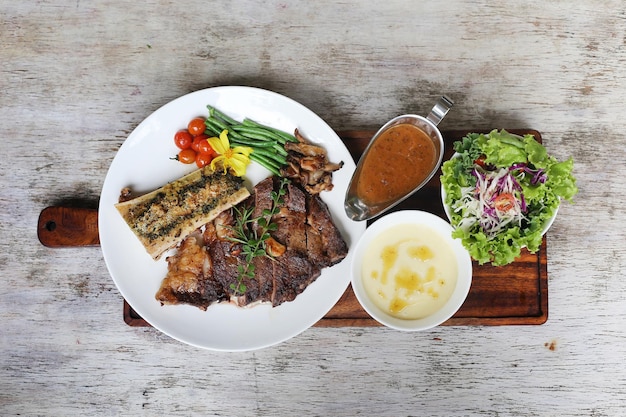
(502,149)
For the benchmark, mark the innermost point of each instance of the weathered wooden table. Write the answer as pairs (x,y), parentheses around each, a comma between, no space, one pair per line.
(77,78)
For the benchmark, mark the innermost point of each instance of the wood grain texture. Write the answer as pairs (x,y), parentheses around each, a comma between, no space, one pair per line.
(510,295)
(67,226)
(78,77)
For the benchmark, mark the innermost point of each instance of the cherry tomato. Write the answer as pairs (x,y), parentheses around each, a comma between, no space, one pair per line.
(504,202)
(203,159)
(196,126)
(187,156)
(183,139)
(480,161)
(197,141)
(205,147)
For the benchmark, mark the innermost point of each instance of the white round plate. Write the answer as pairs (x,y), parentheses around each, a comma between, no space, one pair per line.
(143,163)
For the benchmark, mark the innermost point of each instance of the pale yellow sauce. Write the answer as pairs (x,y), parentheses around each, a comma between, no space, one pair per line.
(409,271)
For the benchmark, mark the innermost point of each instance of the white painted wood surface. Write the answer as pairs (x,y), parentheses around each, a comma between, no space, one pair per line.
(77,77)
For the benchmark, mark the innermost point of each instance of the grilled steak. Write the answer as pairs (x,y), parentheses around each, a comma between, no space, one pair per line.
(306,234)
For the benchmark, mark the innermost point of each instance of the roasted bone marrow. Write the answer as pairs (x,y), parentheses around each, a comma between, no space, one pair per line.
(162,218)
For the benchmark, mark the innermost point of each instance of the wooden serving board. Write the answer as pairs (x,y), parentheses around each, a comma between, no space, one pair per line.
(515,294)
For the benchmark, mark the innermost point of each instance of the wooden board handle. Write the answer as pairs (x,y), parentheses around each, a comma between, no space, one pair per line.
(68,227)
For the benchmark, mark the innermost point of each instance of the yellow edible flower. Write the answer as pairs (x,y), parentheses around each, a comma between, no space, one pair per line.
(236,158)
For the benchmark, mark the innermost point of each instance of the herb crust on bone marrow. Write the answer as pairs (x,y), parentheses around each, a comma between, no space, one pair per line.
(162,218)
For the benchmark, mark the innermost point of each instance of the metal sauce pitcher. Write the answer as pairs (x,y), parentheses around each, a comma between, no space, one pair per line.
(358,210)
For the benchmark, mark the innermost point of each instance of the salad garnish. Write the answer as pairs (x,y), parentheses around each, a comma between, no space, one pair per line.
(500,191)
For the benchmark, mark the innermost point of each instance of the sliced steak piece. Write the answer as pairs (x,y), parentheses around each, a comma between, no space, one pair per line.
(258,289)
(262,196)
(293,272)
(321,222)
(224,261)
(262,285)
(291,220)
(315,247)
(228,259)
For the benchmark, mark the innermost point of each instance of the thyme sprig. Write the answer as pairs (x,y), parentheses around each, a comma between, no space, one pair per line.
(253,240)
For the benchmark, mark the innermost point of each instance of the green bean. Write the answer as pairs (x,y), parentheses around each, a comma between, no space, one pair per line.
(287,136)
(280,149)
(258,133)
(233,134)
(267,143)
(266,159)
(213,112)
(265,163)
(216,114)
(272,155)
(217,123)
(211,128)
(257,136)
(252,143)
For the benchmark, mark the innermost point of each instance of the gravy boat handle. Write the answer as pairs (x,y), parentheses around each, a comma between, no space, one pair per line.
(440,109)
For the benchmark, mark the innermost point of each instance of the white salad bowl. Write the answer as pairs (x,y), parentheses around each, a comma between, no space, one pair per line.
(437,225)
(502,247)
(448,210)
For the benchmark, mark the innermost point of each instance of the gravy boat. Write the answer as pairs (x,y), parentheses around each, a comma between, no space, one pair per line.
(359,210)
